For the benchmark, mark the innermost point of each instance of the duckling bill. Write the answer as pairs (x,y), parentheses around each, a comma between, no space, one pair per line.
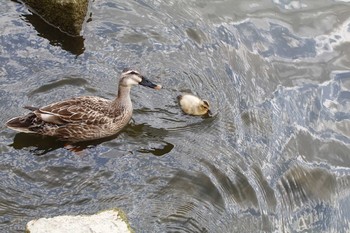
(193,105)
(83,118)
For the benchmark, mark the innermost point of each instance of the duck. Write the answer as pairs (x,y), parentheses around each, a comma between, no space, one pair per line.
(83,118)
(193,105)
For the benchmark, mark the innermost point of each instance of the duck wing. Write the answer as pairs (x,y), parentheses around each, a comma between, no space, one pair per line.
(77,110)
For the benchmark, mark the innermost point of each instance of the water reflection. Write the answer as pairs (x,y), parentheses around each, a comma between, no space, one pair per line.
(39,145)
(161,150)
(72,81)
(238,190)
(268,40)
(188,216)
(300,186)
(273,158)
(72,44)
(308,194)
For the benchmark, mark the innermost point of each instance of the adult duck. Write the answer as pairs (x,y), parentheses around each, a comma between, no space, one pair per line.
(86,117)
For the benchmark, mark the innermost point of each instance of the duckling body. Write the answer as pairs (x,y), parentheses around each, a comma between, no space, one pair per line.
(193,105)
(83,118)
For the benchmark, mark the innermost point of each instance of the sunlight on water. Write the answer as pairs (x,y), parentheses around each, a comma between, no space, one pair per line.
(272,158)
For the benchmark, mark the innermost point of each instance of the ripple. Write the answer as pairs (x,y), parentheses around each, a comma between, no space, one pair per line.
(308,194)
(191,214)
(298,191)
(237,190)
(56,84)
(273,158)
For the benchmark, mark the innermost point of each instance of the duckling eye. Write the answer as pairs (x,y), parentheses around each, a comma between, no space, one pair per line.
(133,72)
(206,104)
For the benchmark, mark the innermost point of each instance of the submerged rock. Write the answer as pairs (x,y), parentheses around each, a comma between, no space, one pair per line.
(67,15)
(104,222)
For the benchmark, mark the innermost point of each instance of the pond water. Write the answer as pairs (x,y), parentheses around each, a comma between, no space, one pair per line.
(274,157)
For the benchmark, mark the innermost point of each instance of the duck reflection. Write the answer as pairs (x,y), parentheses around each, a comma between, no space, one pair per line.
(41,145)
(149,140)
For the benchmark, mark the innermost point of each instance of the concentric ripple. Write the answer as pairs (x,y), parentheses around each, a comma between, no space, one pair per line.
(274,157)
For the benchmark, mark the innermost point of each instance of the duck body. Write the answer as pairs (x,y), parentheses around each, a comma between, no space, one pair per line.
(83,118)
(193,105)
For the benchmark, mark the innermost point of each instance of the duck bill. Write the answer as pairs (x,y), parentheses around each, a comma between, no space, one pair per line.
(209,113)
(145,82)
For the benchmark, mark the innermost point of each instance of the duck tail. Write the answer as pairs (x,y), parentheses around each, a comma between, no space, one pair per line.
(31,108)
(22,123)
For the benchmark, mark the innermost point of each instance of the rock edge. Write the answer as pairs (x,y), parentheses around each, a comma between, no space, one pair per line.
(67,15)
(107,221)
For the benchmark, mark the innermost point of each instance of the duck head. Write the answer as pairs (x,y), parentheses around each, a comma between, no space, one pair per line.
(132,77)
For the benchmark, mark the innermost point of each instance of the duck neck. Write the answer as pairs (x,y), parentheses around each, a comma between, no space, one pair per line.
(123,97)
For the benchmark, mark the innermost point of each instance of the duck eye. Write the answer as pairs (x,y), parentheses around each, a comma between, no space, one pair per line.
(130,71)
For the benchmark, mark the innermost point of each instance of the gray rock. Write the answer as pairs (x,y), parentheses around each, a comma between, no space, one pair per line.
(104,222)
(67,15)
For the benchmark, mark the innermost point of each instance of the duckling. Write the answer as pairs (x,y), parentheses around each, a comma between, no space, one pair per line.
(83,118)
(193,105)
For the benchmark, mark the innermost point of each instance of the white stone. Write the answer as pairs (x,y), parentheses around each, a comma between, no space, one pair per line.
(104,222)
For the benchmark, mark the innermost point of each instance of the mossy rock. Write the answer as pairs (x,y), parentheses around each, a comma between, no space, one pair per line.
(67,15)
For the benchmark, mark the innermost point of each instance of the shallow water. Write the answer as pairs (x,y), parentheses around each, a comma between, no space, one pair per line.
(274,157)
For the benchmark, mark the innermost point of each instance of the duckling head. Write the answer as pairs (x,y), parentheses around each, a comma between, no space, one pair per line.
(205,107)
(132,77)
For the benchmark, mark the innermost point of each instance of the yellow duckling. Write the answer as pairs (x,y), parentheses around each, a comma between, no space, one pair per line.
(193,105)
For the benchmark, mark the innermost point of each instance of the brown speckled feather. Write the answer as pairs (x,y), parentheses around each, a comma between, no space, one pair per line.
(80,119)
(79,110)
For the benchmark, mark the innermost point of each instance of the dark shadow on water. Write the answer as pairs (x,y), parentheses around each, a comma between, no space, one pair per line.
(146,134)
(42,145)
(73,44)
(71,81)
(165,149)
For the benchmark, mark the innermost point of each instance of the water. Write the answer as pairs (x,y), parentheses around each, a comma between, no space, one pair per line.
(273,158)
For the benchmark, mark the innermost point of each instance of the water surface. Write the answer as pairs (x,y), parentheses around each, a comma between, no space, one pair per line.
(274,157)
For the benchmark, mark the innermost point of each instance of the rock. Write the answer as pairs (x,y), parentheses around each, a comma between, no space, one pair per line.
(67,15)
(104,222)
